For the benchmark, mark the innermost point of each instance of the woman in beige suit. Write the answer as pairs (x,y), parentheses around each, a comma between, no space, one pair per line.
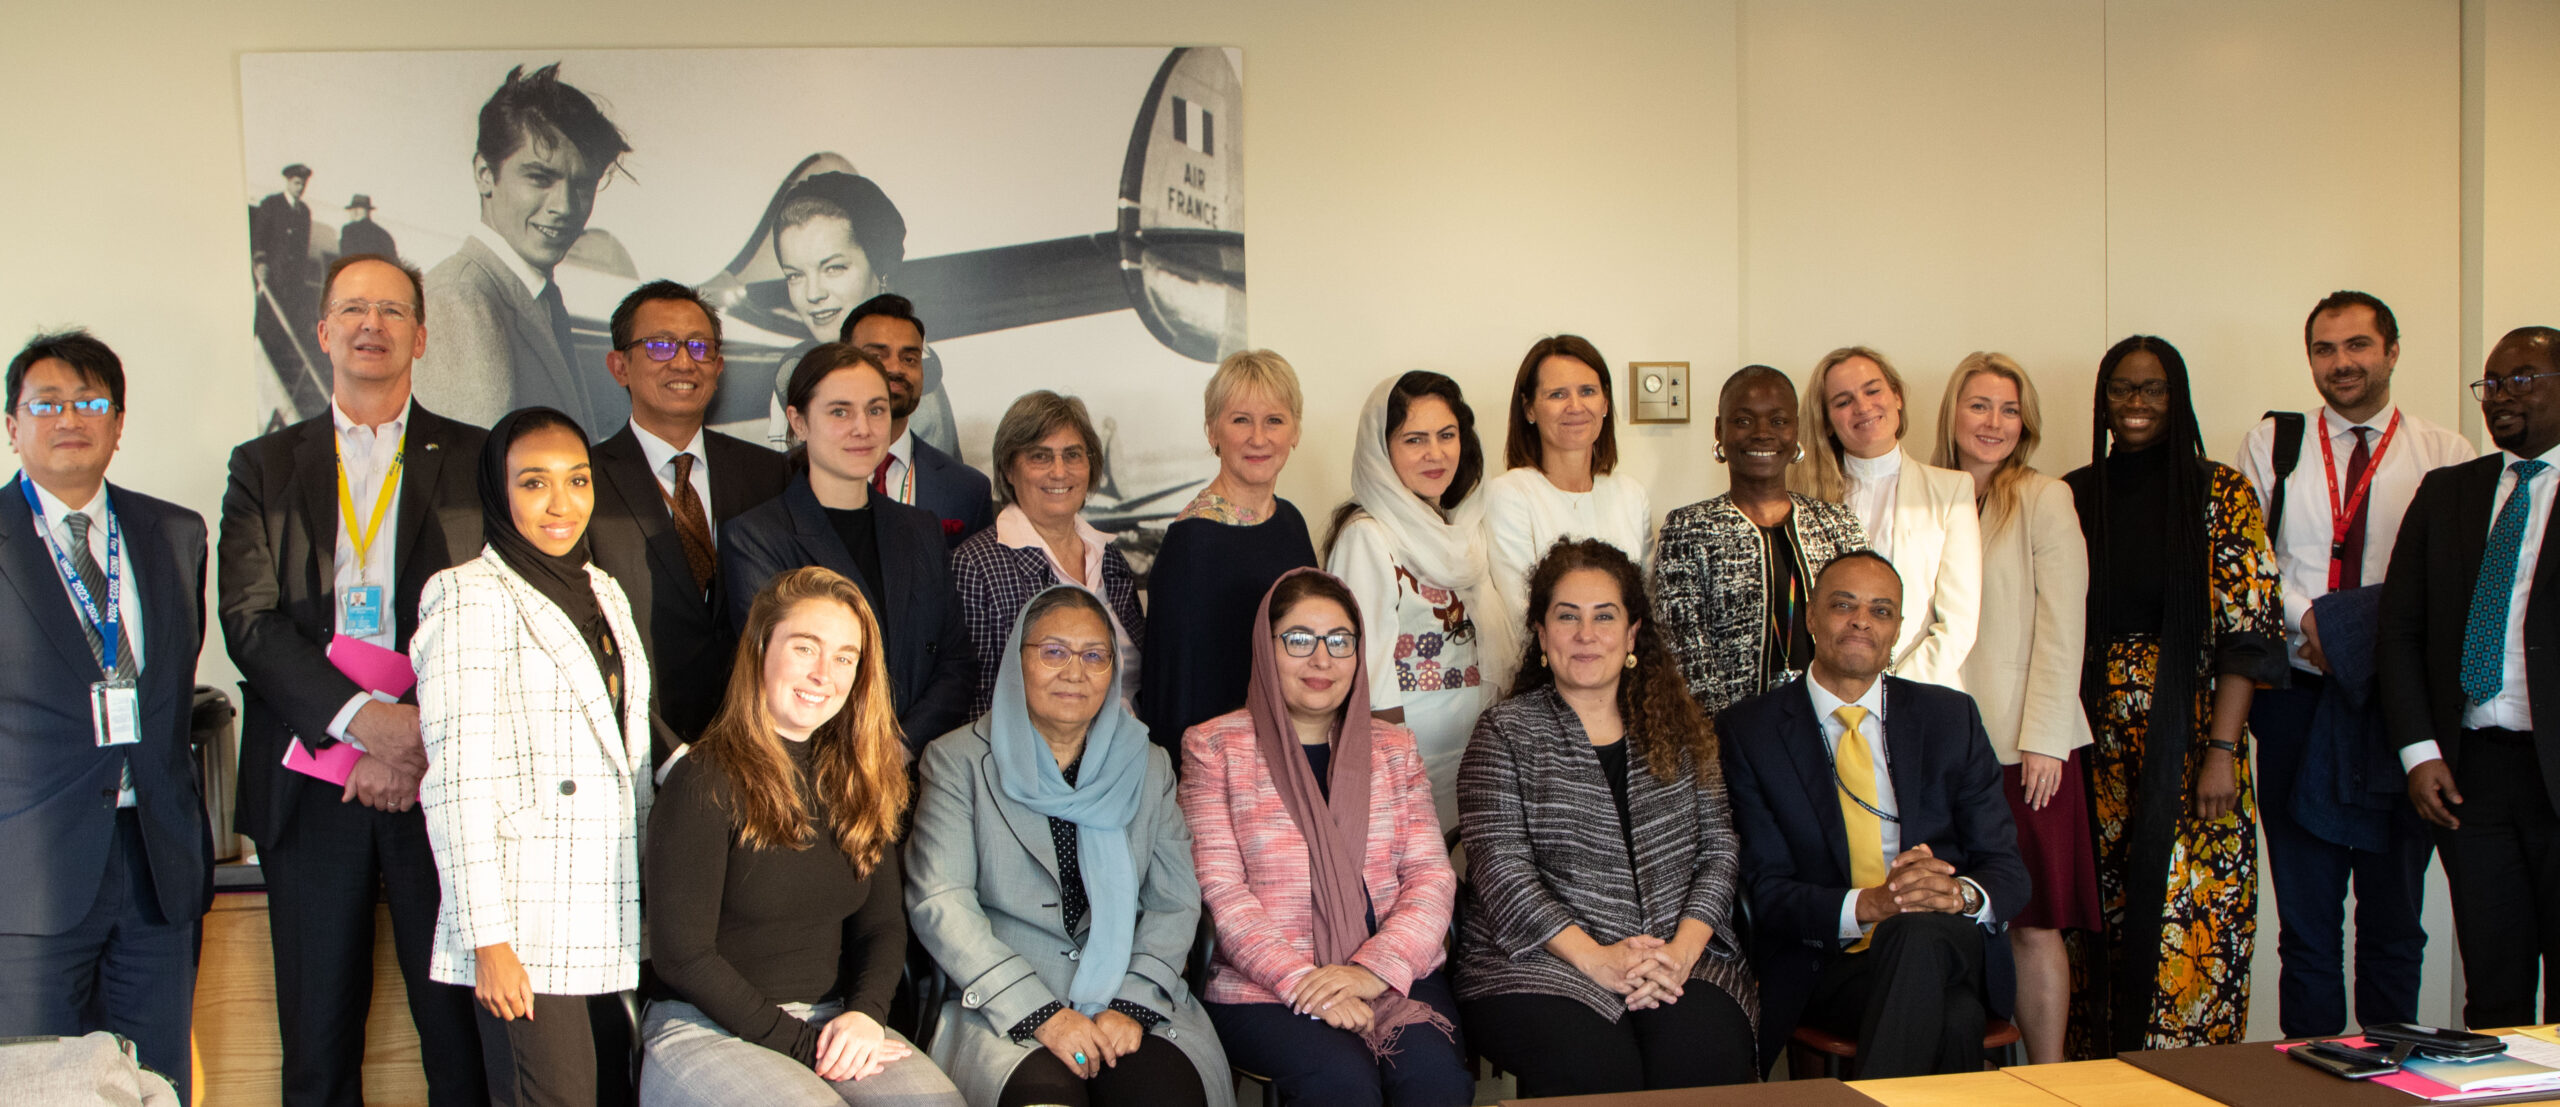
(1920,517)
(2024,670)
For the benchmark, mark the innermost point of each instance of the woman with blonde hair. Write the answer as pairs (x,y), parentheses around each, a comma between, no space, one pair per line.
(2024,670)
(1920,517)
(1224,550)
(777,925)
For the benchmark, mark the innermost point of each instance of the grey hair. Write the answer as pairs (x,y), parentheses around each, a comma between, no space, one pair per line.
(1035,416)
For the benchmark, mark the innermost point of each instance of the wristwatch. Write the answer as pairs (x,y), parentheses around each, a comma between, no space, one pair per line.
(1968,897)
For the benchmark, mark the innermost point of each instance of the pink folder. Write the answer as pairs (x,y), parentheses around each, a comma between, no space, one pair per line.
(374,669)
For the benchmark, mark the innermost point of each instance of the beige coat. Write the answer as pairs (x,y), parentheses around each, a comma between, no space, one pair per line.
(1935,541)
(2024,670)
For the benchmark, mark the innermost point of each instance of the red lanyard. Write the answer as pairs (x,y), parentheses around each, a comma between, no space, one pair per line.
(2343,515)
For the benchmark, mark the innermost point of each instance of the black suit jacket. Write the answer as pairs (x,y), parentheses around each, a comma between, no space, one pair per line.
(689,641)
(57,787)
(278,583)
(931,664)
(2426,601)
(959,497)
(1795,851)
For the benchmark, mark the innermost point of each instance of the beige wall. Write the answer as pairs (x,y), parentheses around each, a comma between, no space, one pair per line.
(1436,184)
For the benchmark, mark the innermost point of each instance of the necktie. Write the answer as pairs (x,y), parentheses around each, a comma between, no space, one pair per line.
(880,476)
(693,526)
(560,333)
(86,564)
(2484,636)
(1854,764)
(2351,549)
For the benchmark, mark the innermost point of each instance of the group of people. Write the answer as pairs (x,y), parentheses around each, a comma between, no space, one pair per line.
(1878,747)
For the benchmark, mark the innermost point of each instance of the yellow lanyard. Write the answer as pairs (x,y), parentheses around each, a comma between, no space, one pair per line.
(362,539)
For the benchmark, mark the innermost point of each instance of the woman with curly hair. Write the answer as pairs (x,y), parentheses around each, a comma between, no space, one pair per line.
(1602,856)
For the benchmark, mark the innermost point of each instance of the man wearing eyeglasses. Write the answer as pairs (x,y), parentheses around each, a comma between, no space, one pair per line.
(330,529)
(914,471)
(664,484)
(2470,641)
(102,618)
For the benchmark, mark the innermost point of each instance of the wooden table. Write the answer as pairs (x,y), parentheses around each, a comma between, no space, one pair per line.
(1997,1088)
(237,1058)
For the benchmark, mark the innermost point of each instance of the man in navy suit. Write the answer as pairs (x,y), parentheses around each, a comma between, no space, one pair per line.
(102,619)
(914,472)
(1876,847)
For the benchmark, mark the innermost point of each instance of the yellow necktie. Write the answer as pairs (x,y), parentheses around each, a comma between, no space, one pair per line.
(1854,765)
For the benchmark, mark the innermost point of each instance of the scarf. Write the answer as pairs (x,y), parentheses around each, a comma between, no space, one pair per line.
(1101,803)
(563,580)
(1446,552)
(1336,829)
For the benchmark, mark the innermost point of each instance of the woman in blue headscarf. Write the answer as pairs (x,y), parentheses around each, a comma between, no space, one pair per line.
(1049,872)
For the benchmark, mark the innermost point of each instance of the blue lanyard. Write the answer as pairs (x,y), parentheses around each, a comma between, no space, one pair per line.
(112,621)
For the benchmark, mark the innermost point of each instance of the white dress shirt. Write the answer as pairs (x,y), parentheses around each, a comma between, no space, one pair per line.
(2302,550)
(367,453)
(661,456)
(1872,495)
(2512,707)
(901,477)
(1872,729)
(128,605)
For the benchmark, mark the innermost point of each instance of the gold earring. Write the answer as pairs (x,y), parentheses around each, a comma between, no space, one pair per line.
(1631,661)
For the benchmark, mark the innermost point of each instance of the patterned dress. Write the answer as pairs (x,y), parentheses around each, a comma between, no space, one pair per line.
(2207,916)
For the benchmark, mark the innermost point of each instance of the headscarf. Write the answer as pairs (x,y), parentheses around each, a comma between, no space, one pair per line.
(1101,803)
(1335,824)
(563,579)
(1447,553)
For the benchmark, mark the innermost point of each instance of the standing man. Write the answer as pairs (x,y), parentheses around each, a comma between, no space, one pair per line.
(2470,645)
(362,235)
(280,260)
(2354,466)
(504,331)
(885,326)
(330,528)
(664,486)
(102,617)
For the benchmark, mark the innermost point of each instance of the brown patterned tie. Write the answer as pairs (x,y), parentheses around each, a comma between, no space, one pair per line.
(693,526)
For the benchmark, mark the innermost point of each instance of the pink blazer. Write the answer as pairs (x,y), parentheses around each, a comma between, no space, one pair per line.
(1254,871)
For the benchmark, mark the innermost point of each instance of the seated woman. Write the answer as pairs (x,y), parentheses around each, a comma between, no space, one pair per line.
(533,700)
(775,918)
(1602,859)
(1049,873)
(1321,863)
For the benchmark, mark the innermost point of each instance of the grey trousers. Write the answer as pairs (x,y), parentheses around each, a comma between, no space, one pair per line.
(690,1061)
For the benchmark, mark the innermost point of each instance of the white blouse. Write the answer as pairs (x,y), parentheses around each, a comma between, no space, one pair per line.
(1524,514)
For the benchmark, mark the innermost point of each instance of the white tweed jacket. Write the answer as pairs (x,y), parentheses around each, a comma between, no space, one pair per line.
(535,794)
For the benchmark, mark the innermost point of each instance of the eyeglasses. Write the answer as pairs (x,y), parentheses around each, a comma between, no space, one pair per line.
(1054,656)
(1302,643)
(2513,384)
(2154,391)
(664,349)
(1041,457)
(91,408)
(350,313)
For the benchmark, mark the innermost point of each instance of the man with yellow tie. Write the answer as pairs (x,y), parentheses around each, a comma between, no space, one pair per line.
(1877,852)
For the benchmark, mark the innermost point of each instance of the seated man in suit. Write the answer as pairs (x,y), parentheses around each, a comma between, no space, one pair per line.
(914,472)
(102,621)
(1876,847)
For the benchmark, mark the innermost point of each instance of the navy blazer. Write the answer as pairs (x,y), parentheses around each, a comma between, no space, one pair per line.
(930,662)
(57,788)
(1795,850)
(959,497)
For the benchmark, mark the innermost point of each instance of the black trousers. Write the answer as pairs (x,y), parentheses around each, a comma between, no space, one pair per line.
(124,967)
(2311,876)
(324,875)
(1558,1046)
(574,1052)
(1159,1074)
(1316,1065)
(1912,998)
(2505,868)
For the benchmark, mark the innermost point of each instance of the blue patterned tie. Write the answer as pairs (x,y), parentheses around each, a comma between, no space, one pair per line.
(2484,637)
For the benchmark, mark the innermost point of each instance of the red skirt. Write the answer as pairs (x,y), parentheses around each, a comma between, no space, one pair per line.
(2055,845)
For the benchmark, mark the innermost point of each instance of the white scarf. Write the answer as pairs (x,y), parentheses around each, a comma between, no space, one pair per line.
(1448,553)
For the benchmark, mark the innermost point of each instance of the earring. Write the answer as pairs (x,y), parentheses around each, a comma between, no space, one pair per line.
(1799,451)
(1631,660)
(1542,660)
(1719,451)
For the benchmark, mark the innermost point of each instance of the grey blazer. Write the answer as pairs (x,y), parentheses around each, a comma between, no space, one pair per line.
(493,350)
(983,896)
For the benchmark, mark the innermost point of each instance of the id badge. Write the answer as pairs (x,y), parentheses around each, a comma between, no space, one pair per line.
(360,611)
(115,712)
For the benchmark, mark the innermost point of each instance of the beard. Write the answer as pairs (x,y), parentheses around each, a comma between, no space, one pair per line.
(904,397)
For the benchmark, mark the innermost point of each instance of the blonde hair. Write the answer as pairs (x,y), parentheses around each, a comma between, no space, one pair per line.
(1819,475)
(1257,370)
(2000,500)
(860,759)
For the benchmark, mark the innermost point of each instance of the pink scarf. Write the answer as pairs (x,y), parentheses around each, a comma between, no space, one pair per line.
(1336,829)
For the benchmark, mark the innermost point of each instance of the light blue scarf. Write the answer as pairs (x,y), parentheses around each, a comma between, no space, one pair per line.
(1101,803)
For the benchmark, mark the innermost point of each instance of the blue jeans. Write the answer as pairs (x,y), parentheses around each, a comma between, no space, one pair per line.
(1309,1062)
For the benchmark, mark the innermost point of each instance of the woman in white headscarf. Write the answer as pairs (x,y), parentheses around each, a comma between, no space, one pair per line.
(1410,546)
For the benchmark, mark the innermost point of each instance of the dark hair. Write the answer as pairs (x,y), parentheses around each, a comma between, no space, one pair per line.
(878,230)
(1408,388)
(2383,320)
(626,312)
(417,281)
(541,105)
(1298,588)
(1663,722)
(81,351)
(1750,373)
(1034,416)
(1857,555)
(1521,447)
(888,304)
(819,363)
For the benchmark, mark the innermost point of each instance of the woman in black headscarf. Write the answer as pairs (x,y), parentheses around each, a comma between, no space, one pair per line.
(533,698)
